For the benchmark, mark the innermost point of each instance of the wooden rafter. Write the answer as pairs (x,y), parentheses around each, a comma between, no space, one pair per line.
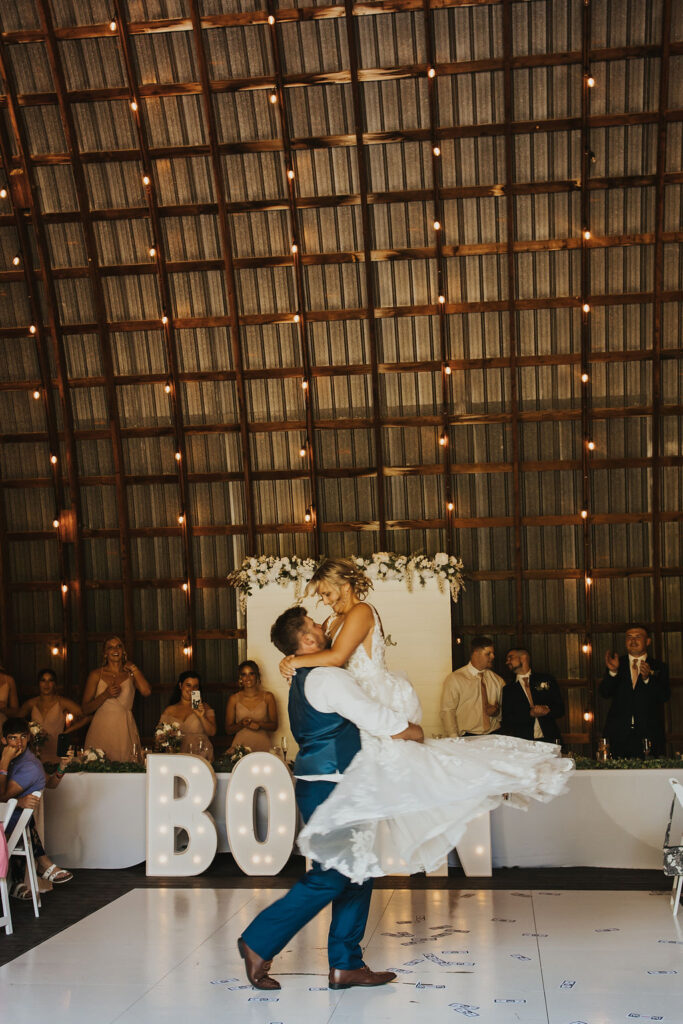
(103,334)
(228,267)
(313,513)
(167,325)
(29,192)
(362,165)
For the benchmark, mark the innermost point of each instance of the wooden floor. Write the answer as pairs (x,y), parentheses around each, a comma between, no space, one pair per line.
(91,890)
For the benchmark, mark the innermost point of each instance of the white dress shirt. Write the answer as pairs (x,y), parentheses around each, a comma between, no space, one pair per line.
(330,689)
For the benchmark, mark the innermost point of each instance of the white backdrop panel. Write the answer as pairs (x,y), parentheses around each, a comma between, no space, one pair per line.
(419,623)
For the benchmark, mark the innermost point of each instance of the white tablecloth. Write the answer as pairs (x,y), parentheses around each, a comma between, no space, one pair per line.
(607,819)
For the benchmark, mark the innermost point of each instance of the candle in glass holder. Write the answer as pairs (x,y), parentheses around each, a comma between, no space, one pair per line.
(68,719)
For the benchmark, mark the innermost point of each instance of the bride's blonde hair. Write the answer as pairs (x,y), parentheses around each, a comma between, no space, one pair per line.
(336,572)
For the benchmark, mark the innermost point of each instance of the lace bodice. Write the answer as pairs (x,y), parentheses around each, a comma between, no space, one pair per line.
(374,678)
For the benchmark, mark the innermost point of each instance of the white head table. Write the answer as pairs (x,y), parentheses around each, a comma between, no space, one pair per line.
(608,818)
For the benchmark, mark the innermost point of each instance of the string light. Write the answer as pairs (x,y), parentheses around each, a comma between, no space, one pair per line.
(586,234)
(585,648)
(307,515)
(271,19)
(16,260)
(588,716)
(589,581)
(584,513)
(442,299)
(65,588)
(145,180)
(112,24)
(450,506)
(302,452)
(53,460)
(181,518)
(447,370)
(295,248)
(443,440)
(187,647)
(431,72)
(164,319)
(296,318)
(167,387)
(185,587)
(290,174)
(3,193)
(584,378)
(32,329)
(304,384)
(55,523)
(273,97)
(436,151)
(590,81)
(36,394)
(437,225)
(591,446)
(177,456)
(152,251)
(586,307)
(55,650)
(133,106)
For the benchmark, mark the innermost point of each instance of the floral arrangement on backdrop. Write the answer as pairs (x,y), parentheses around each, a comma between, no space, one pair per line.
(414,570)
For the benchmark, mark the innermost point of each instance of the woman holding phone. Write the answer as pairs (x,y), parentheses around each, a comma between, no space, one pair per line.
(196,719)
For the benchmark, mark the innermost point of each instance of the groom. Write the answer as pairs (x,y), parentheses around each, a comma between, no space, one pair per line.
(326,710)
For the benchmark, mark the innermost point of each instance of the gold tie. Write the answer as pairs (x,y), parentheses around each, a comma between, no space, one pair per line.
(527,690)
(635,671)
(486,721)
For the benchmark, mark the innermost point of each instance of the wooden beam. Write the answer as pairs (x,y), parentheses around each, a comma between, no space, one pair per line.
(228,261)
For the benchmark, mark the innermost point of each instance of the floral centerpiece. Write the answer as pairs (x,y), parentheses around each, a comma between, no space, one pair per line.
(37,735)
(415,569)
(93,755)
(167,738)
(230,758)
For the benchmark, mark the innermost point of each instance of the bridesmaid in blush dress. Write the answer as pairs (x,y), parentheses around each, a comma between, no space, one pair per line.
(197,723)
(251,713)
(108,696)
(49,710)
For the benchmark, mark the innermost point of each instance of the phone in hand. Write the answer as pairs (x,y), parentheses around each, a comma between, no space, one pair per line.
(196,699)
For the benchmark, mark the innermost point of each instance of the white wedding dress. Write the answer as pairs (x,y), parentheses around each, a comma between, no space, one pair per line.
(403,806)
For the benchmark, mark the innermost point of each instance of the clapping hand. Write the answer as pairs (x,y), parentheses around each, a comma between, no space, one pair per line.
(645,670)
(612,661)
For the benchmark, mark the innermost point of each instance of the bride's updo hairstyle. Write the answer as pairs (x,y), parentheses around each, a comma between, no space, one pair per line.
(336,572)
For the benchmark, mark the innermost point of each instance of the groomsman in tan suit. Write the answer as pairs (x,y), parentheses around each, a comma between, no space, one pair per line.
(471,698)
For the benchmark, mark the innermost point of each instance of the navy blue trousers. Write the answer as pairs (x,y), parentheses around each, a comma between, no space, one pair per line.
(274,927)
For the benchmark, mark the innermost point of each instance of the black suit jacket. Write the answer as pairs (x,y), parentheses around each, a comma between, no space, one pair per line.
(642,704)
(517,718)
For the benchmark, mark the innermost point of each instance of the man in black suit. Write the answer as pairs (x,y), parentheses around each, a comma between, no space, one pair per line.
(638,686)
(532,703)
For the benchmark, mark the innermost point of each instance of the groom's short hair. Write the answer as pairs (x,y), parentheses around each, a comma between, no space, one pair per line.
(284,632)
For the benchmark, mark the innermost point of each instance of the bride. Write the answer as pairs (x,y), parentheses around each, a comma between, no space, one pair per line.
(402,807)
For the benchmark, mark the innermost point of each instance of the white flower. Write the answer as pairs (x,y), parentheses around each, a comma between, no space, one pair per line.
(441,558)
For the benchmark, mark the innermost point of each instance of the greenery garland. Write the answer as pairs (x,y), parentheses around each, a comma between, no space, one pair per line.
(256,573)
(617,763)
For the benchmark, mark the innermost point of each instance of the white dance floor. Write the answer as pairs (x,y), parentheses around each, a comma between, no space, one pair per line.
(500,957)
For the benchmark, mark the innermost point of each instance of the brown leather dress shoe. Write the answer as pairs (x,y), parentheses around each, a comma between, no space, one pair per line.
(361,976)
(256,968)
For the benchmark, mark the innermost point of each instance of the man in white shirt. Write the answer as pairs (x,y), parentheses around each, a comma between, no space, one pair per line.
(471,696)
(638,686)
(327,709)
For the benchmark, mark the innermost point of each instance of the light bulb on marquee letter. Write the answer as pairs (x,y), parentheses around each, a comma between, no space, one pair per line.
(260,771)
(166,812)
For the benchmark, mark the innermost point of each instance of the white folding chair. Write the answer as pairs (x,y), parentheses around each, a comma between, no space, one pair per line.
(6,812)
(678,879)
(19,845)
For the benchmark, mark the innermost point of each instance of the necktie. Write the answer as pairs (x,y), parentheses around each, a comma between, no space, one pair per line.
(486,721)
(635,671)
(525,683)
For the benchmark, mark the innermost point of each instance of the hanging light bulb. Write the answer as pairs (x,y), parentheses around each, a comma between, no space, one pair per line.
(307,515)
(436,151)
(181,518)
(304,384)
(53,460)
(586,307)
(167,387)
(589,581)
(590,81)
(36,394)
(584,378)
(297,318)
(133,106)
(16,260)
(585,648)
(443,440)
(164,319)
(55,523)
(290,174)
(187,647)
(442,299)
(437,225)
(591,446)
(588,716)
(302,452)
(450,506)
(146,180)
(586,234)
(447,370)
(112,24)
(177,456)
(584,513)
(271,19)
(431,72)
(54,650)
(273,97)
(32,329)
(3,193)
(295,248)
(186,587)
(152,251)
(65,588)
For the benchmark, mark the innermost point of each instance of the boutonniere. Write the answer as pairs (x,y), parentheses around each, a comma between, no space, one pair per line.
(543,685)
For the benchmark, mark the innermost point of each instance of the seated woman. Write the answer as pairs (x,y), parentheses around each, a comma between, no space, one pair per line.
(251,713)
(9,702)
(197,720)
(49,710)
(108,696)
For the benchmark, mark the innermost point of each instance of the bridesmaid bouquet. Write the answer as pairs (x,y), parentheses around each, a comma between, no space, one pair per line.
(167,738)
(236,754)
(38,735)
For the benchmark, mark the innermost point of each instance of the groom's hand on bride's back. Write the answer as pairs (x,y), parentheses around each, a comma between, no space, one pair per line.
(413,732)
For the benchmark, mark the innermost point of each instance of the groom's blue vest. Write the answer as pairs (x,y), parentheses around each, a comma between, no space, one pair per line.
(327,742)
